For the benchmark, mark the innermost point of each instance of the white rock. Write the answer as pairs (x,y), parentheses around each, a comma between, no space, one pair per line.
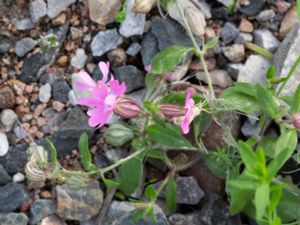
(72,97)
(266,39)
(18,178)
(45,93)
(4,145)
(37,9)
(79,59)
(8,117)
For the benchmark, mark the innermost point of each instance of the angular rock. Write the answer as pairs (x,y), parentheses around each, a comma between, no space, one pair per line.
(40,209)
(79,59)
(55,7)
(24,24)
(248,129)
(289,21)
(132,76)
(229,32)
(80,204)
(285,57)
(266,39)
(105,41)
(133,49)
(104,12)
(8,117)
(204,7)
(233,70)
(219,78)
(45,93)
(243,38)
(37,64)
(4,177)
(253,8)
(60,90)
(265,15)
(4,145)
(12,196)
(149,48)
(7,97)
(254,70)
(13,219)
(24,46)
(37,9)
(5,44)
(235,53)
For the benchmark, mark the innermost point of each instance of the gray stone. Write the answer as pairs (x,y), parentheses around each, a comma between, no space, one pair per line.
(229,32)
(79,59)
(24,46)
(149,48)
(19,132)
(254,70)
(114,155)
(132,76)
(45,93)
(105,41)
(4,145)
(265,15)
(248,129)
(18,177)
(24,24)
(37,9)
(233,70)
(253,8)
(266,39)
(4,177)
(13,219)
(284,58)
(243,38)
(12,196)
(134,23)
(104,12)
(14,161)
(187,219)
(227,3)
(133,49)
(37,64)
(55,7)
(80,204)
(5,44)
(219,78)
(235,53)
(40,209)
(8,117)
(60,90)
(204,7)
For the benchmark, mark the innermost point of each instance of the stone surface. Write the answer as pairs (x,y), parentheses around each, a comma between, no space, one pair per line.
(55,7)
(53,220)
(60,90)
(219,78)
(24,46)
(37,64)
(253,8)
(8,117)
(254,70)
(266,39)
(12,196)
(4,177)
(117,57)
(132,76)
(45,93)
(7,97)
(246,26)
(248,129)
(233,70)
(37,9)
(289,21)
(24,24)
(80,204)
(229,32)
(79,59)
(134,23)
(235,53)
(40,209)
(4,145)
(149,48)
(105,41)
(5,44)
(204,7)
(13,219)
(104,12)
(285,57)
(133,49)
(18,177)
(265,15)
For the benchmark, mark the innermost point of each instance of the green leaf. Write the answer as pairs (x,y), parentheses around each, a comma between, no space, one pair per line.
(156,154)
(259,50)
(53,153)
(171,195)
(270,73)
(109,183)
(212,43)
(287,140)
(130,175)
(167,59)
(248,156)
(267,102)
(276,221)
(137,215)
(86,158)
(262,199)
(200,124)
(243,184)
(150,193)
(295,105)
(168,135)
(276,192)
(298,8)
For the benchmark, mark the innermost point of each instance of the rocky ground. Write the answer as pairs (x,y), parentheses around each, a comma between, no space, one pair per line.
(37,99)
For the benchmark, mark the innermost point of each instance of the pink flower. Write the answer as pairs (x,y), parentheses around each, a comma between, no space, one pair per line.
(103,96)
(148,68)
(188,117)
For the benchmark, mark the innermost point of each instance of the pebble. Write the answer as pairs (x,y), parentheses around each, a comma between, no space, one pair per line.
(133,49)
(134,23)
(80,204)
(248,129)
(45,93)
(8,117)
(60,20)
(233,70)
(63,60)
(235,53)
(37,9)
(149,48)
(229,32)
(4,145)
(282,6)
(60,90)
(288,22)
(4,177)
(243,38)
(55,7)
(5,44)
(254,7)
(265,15)
(76,33)
(219,78)
(24,46)
(117,57)
(114,155)
(53,220)
(266,39)
(80,58)
(24,24)
(19,132)
(58,106)
(246,26)
(72,97)
(104,12)
(13,219)
(105,41)
(204,7)
(18,177)
(40,209)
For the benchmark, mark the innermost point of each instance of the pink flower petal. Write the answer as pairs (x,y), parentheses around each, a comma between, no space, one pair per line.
(189,104)
(116,88)
(148,68)
(87,80)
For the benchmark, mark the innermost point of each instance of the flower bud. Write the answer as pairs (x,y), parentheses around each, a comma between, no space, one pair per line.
(296,120)
(118,134)
(171,110)
(143,6)
(127,107)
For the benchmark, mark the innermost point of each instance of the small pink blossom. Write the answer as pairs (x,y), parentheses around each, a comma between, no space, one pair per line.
(148,68)
(188,117)
(103,95)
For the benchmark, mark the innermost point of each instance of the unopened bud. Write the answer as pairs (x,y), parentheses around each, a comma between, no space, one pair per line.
(118,134)
(296,120)
(171,110)
(196,20)
(143,6)
(127,107)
